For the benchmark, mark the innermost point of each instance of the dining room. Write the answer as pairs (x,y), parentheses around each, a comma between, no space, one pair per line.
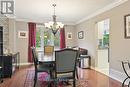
(55,43)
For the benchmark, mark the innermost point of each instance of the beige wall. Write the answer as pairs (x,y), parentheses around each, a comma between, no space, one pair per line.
(88,41)
(70,29)
(12,36)
(22,43)
(119,47)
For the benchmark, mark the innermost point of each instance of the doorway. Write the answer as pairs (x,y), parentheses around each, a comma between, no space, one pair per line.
(103,46)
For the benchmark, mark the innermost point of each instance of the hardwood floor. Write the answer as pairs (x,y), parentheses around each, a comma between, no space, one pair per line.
(95,79)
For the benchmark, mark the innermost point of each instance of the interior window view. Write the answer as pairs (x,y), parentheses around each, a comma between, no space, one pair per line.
(64,43)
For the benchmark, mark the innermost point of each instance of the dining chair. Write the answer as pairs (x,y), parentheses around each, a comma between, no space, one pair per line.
(1,80)
(39,67)
(77,61)
(65,65)
(126,68)
(48,49)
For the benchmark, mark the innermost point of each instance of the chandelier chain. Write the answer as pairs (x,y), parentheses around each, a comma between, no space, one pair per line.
(54,5)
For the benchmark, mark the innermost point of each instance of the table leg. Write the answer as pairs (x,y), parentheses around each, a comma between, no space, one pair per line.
(89,62)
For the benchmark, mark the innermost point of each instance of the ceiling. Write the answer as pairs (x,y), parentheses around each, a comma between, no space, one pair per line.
(67,11)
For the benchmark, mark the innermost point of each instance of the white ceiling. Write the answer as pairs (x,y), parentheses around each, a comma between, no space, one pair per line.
(67,11)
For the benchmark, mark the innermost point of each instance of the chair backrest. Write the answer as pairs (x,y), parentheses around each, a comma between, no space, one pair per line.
(65,60)
(34,55)
(48,49)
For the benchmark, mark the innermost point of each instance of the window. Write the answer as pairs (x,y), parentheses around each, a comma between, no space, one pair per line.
(50,39)
(45,37)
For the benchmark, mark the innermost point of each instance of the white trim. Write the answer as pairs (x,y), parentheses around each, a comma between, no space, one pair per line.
(22,64)
(38,21)
(119,76)
(92,67)
(100,70)
(114,74)
(11,16)
(106,8)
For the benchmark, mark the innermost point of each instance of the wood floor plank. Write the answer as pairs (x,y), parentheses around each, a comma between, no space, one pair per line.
(95,79)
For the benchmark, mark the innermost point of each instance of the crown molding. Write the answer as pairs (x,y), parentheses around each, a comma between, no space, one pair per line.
(28,20)
(41,22)
(106,8)
(11,16)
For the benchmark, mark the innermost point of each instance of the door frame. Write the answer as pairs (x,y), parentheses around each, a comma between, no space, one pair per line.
(96,45)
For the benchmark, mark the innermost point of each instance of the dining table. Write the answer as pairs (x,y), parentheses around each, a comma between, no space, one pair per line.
(46,57)
(49,58)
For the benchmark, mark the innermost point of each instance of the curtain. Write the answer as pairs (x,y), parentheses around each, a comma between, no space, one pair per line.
(32,39)
(62,38)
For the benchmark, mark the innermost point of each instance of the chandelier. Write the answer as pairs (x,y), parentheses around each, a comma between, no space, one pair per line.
(54,25)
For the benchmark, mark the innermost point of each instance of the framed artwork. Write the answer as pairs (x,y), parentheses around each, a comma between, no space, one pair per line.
(69,35)
(22,34)
(127,25)
(81,35)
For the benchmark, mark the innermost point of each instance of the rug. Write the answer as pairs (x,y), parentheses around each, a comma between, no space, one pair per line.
(43,80)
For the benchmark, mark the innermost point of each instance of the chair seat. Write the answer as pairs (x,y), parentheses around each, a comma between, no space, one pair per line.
(65,76)
(44,68)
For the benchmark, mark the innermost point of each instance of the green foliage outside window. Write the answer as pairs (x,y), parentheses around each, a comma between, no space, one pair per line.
(46,38)
(38,40)
(106,39)
(49,38)
(57,39)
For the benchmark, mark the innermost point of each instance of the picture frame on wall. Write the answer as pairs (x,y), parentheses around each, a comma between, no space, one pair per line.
(69,35)
(80,35)
(127,25)
(22,34)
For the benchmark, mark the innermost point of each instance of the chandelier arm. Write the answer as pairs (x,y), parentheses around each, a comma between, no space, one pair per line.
(54,26)
(54,31)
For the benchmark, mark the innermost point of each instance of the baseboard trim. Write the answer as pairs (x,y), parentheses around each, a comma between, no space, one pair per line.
(99,70)
(119,76)
(114,74)
(92,68)
(23,64)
